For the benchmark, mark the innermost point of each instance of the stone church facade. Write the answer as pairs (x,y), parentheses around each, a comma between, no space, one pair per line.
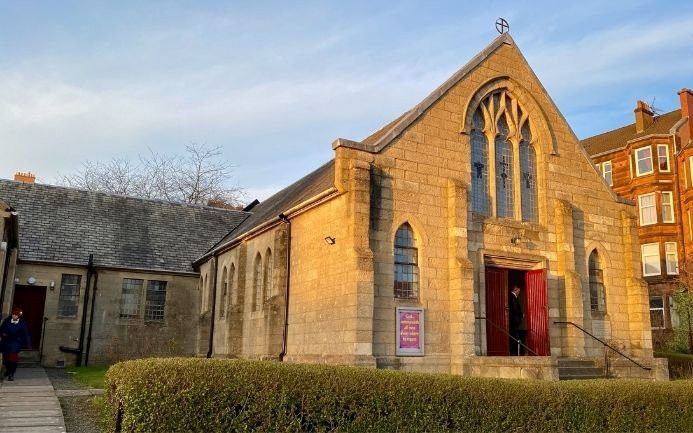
(400,252)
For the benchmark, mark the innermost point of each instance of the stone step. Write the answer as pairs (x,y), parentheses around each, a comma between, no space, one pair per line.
(594,371)
(575,363)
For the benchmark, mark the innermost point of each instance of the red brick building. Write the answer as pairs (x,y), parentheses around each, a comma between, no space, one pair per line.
(651,162)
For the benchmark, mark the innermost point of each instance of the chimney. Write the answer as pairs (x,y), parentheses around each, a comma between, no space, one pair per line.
(686,96)
(643,116)
(27,177)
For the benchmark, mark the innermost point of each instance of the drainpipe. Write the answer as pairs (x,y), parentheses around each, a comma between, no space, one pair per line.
(91,315)
(11,243)
(285,334)
(677,184)
(214,308)
(83,325)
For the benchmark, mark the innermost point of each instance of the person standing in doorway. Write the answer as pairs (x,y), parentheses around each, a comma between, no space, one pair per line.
(518,321)
(15,337)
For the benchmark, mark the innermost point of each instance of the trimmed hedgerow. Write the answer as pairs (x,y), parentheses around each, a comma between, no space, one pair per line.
(201,395)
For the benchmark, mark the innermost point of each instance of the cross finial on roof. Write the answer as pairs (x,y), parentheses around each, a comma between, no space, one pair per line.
(502,26)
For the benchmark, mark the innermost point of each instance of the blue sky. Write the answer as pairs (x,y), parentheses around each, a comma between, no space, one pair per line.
(274,83)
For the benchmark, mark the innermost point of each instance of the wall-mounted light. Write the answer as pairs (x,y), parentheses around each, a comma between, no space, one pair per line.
(515,240)
(31,280)
(330,240)
(52,285)
(16,280)
(3,246)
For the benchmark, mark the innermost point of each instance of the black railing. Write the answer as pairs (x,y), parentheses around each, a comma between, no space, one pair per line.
(606,345)
(43,338)
(517,341)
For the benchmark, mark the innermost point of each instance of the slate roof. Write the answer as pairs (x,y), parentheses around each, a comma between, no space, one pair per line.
(65,225)
(618,138)
(308,186)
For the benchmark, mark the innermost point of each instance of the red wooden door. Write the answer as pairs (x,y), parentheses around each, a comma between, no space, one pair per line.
(31,299)
(497,312)
(536,307)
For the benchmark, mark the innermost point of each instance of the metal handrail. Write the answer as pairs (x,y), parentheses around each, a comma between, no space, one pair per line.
(519,342)
(43,338)
(604,343)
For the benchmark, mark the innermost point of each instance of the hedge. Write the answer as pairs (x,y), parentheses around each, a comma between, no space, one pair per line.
(200,395)
(680,364)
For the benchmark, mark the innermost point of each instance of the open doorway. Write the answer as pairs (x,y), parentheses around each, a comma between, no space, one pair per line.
(533,299)
(32,300)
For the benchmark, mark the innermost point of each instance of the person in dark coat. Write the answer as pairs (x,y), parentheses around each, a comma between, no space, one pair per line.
(15,337)
(518,321)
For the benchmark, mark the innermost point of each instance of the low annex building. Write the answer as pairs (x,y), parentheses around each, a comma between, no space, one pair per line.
(103,276)
(400,252)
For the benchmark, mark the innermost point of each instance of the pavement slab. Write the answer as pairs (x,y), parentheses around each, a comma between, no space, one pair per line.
(29,404)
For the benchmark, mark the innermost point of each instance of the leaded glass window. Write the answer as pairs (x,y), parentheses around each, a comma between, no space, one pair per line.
(268,280)
(130,298)
(528,176)
(257,283)
(596,284)
(480,199)
(224,290)
(68,301)
(156,301)
(406,264)
(505,198)
(233,288)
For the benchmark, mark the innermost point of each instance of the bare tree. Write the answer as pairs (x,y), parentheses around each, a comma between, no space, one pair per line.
(200,176)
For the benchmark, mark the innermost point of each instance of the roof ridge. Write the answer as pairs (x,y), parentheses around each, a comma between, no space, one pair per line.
(654,119)
(128,197)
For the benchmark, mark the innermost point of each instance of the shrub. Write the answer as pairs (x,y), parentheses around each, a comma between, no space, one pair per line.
(680,364)
(200,395)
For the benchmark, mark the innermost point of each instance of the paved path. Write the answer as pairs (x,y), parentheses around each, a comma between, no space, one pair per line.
(29,404)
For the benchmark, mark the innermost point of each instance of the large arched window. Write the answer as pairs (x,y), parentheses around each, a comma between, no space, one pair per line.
(528,176)
(480,201)
(233,287)
(505,195)
(224,288)
(257,283)
(406,264)
(268,280)
(597,291)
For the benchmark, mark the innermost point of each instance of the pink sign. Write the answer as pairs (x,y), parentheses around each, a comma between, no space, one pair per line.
(410,331)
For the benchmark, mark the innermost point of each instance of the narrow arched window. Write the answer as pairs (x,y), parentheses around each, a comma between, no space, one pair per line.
(233,287)
(257,283)
(203,295)
(528,176)
(505,198)
(222,297)
(268,279)
(479,144)
(597,291)
(406,264)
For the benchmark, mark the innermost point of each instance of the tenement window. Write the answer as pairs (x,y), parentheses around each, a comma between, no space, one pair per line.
(406,264)
(672,258)
(663,157)
(667,207)
(657,312)
(68,301)
(650,260)
(596,281)
(606,172)
(648,209)
(130,298)
(643,161)
(156,301)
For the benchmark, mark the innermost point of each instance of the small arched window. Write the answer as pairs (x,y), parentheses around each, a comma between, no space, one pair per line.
(505,196)
(480,199)
(203,295)
(528,176)
(222,298)
(268,279)
(406,264)
(257,283)
(597,291)
(233,291)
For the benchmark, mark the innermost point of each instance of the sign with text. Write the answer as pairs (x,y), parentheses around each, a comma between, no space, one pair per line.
(410,331)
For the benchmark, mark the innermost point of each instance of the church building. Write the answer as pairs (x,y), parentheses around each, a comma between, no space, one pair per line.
(402,250)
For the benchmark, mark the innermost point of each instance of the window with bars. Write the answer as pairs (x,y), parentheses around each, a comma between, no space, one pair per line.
(406,264)
(663,157)
(607,173)
(154,308)
(68,300)
(505,197)
(257,283)
(130,298)
(667,207)
(671,257)
(528,181)
(479,144)
(657,312)
(268,277)
(596,284)
(648,209)
(223,297)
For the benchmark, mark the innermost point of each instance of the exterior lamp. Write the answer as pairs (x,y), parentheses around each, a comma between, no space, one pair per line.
(330,240)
